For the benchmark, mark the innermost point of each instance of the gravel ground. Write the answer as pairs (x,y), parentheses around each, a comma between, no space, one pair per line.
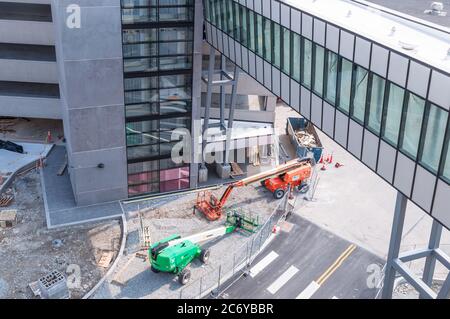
(174,215)
(29,250)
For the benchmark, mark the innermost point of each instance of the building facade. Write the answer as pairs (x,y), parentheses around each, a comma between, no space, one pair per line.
(131,73)
(380,92)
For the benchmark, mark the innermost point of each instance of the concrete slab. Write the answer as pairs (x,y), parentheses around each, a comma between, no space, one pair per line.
(59,201)
(11,162)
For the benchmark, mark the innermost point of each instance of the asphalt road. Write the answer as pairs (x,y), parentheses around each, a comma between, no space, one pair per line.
(305,261)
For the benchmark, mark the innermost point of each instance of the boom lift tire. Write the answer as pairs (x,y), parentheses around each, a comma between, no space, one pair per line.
(278,194)
(303,188)
(154,269)
(184,276)
(204,256)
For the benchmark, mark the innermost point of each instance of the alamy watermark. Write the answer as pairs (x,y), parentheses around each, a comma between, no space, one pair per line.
(73,20)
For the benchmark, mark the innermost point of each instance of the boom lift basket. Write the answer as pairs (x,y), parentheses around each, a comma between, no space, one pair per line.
(243,221)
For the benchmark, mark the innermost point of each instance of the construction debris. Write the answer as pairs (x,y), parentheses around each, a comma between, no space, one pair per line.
(142,256)
(34,286)
(105,259)
(306,139)
(53,286)
(236,170)
(5,200)
(8,218)
(7,124)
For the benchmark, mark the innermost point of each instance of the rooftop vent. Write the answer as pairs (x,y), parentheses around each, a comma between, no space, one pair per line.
(408,45)
(436,9)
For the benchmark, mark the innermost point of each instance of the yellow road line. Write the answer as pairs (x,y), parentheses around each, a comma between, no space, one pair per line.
(337,263)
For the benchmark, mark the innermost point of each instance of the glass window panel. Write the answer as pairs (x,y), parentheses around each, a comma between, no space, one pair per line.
(259,35)
(139,35)
(413,114)
(175,48)
(177,80)
(434,138)
(229,4)
(143,189)
(393,114)
(219,14)
(318,69)
(237,21)
(446,168)
(175,62)
(135,97)
(286,51)
(140,167)
(276,45)
(376,103)
(296,56)
(140,50)
(169,107)
(141,83)
(306,63)
(267,40)
(140,65)
(223,15)
(137,15)
(331,82)
(359,99)
(176,34)
(345,86)
(143,109)
(251,30)
(243,14)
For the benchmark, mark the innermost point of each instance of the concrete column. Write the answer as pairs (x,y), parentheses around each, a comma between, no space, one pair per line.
(394,245)
(92,98)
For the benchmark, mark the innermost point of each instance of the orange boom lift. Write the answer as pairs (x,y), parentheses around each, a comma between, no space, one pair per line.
(277,180)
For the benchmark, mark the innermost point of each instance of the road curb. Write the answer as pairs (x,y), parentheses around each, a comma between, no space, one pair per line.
(116,261)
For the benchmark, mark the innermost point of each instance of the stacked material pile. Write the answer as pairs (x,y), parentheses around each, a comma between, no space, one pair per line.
(306,139)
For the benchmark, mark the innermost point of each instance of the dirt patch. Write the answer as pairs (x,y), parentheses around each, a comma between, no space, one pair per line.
(29,250)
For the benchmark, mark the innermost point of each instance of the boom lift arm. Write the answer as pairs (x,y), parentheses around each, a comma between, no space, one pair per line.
(212,207)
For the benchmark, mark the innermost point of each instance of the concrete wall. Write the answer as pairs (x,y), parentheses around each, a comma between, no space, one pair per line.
(91,86)
(28,71)
(27,32)
(16,106)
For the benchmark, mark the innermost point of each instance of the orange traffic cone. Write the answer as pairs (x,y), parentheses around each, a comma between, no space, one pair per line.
(321,160)
(323,168)
(338,165)
(330,159)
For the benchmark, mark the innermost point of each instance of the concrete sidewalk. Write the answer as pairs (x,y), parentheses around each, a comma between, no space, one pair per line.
(12,163)
(59,201)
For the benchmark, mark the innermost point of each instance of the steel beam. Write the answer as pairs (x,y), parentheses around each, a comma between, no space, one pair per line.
(223,69)
(415,254)
(231,114)
(208,97)
(430,263)
(442,257)
(424,290)
(444,293)
(394,245)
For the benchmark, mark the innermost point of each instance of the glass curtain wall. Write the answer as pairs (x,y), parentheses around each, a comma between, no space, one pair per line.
(157,51)
(414,126)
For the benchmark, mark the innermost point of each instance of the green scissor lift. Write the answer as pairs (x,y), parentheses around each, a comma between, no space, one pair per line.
(173,254)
